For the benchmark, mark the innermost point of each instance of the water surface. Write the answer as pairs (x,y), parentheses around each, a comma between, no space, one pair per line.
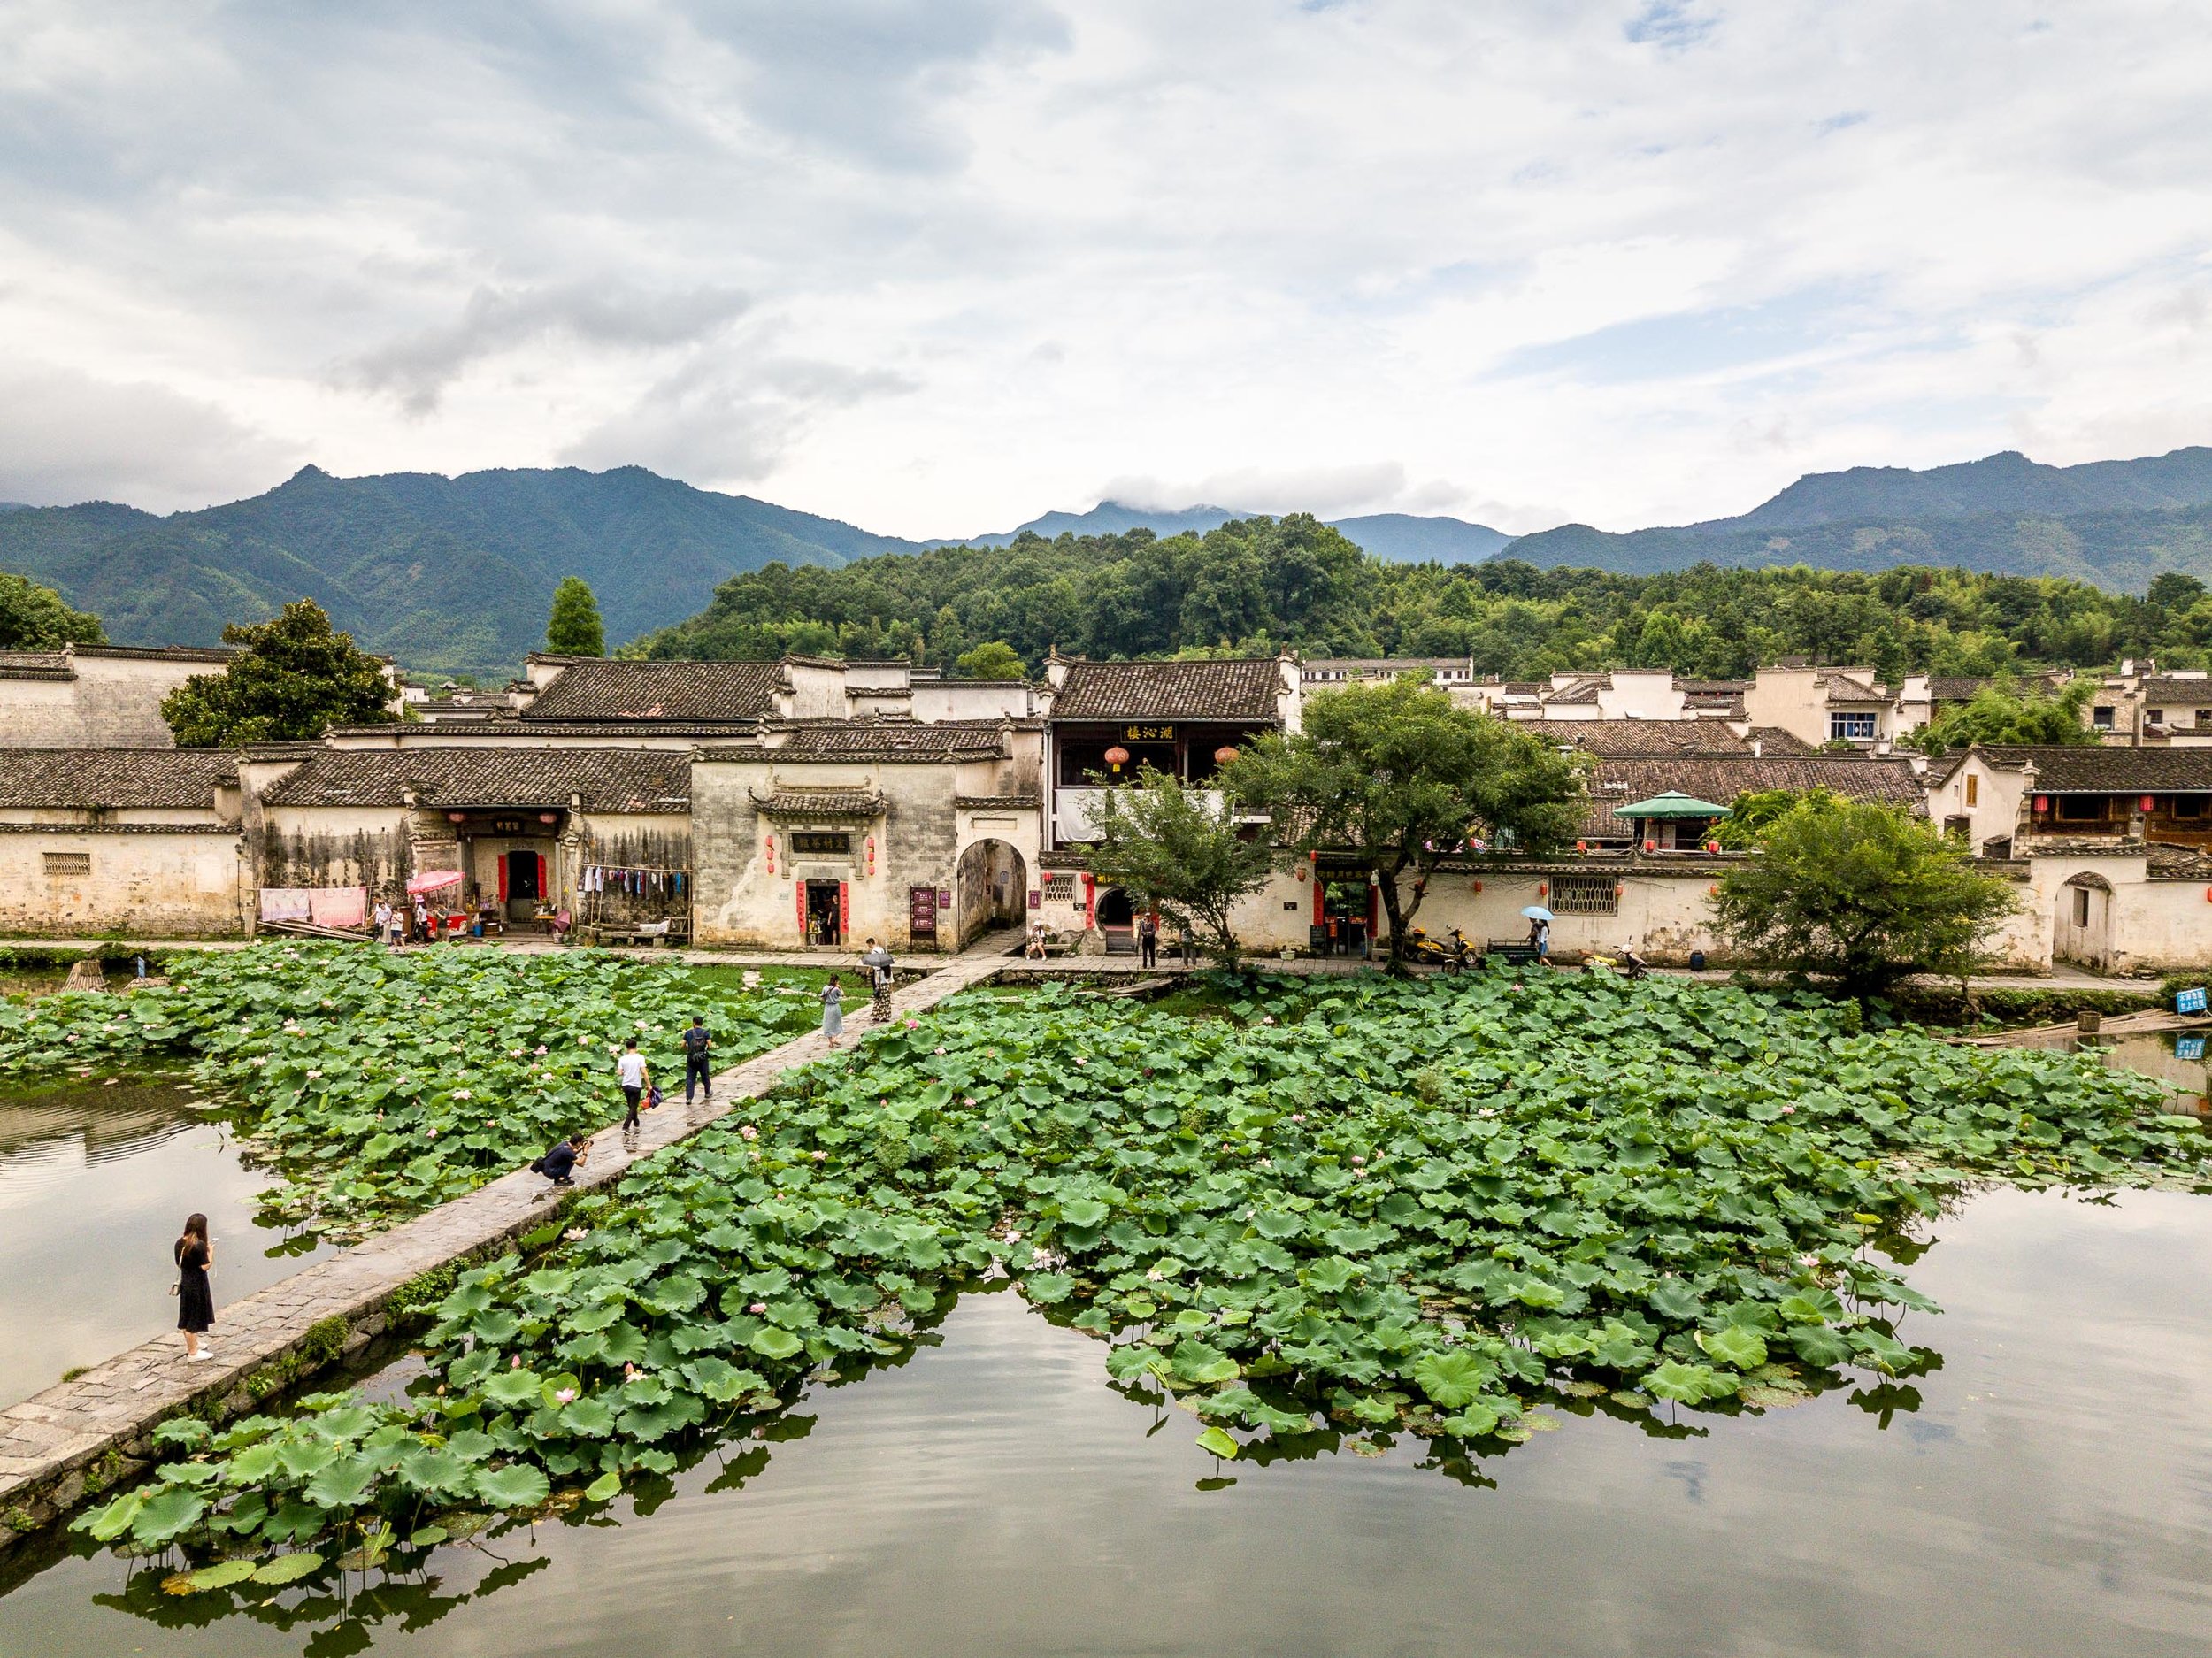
(95,1184)
(2048,1490)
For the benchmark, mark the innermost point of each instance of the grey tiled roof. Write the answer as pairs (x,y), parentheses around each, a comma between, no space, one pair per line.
(1169,690)
(2164,690)
(2094,769)
(1627,737)
(632,691)
(609,779)
(891,740)
(820,803)
(120,779)
(1721,778)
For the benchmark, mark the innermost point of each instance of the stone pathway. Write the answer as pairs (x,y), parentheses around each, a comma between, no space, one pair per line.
(59,1445)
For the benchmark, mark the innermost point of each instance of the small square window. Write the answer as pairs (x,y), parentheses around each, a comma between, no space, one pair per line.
(1851,727)
(66,863)
(2101,717)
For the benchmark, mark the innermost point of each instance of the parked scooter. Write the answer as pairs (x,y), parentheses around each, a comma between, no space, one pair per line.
(1454,950)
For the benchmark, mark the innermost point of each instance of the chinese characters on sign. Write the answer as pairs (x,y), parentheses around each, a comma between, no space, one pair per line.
(1147,733)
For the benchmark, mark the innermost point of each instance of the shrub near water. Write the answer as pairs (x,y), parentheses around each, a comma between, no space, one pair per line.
(381,1083)
(1372,1204)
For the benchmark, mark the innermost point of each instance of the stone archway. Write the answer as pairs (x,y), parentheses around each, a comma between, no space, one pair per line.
(2082,930)
(990,889)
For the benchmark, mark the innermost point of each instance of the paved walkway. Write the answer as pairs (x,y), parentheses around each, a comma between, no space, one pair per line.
(71,1427)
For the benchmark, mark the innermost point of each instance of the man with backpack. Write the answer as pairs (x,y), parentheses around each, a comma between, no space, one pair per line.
(695,1043)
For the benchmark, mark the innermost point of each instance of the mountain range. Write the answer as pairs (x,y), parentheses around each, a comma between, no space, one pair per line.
(455,574)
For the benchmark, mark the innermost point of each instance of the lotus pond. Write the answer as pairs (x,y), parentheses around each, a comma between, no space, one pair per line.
(377,1084)
(1359,1216)
(94,1178)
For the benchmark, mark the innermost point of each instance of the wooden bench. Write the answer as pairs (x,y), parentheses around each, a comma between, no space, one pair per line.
(675,935)
(1516,952)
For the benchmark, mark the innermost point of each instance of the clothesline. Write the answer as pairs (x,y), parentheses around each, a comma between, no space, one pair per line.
(637,880)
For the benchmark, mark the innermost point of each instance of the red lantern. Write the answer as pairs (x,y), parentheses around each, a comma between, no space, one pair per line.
(1619,887)
(457,816)
(1477,886)
(1582,845)
(1224,754)
(2148,802)
(2043,802)
(1117,756)
(549,817)
(1651,846)
(1543,889)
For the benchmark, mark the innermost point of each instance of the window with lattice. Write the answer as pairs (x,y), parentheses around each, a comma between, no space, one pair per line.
(1059,889)
(1584,896)
(68,863)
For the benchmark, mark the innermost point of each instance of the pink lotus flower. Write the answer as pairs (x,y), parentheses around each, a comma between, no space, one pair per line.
(575,1234)
(968,1101)
(1297,1116)
(749,1131)
(462,1094)
(563,1395)
(940,1050)
(540,1049)
(1013,1237)
(757,1307)
(820,1156)
(1358,1159)
(1788,1109)
(515,1363)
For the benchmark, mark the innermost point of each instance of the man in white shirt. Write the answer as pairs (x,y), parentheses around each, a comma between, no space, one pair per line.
(630,1071)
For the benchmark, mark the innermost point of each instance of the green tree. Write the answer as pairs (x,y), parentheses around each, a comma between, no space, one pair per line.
(1862,893)
(1755,809)
(293,679)
(1183,850)
(997,660)
(573,628)
(1395,777)
(1999,714)
(33,618)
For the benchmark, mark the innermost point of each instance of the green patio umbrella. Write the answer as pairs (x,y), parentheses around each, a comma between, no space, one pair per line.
(1673,804)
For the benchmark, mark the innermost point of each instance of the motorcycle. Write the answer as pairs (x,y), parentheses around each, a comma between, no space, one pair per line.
(1456,951)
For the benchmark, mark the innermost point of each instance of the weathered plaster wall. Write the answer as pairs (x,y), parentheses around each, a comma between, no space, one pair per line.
(114,703)
(176,882)
(919,840)
(337,846)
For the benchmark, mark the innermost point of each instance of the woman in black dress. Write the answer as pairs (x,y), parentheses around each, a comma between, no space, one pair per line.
(195,1302)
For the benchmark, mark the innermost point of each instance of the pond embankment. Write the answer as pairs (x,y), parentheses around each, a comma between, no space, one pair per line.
(78,1439)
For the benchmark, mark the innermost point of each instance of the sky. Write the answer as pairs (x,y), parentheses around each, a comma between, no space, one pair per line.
(935,266)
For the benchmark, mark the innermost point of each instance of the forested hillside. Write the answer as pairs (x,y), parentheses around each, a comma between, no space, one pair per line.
(445,573)
(1258,585)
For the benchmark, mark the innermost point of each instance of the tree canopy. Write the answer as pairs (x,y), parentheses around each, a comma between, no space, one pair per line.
(1255,585)
(1183,849)
(33,618)
(574,628)
(293,679)
(1860,893)
(996,660)
(1402,778)
(2004,713)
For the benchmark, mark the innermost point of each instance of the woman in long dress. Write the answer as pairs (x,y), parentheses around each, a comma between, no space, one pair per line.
(195,1301)
(834,1009)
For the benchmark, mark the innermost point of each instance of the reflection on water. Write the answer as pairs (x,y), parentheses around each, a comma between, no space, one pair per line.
(2045,1491)
(94,1183)
(2171,1056)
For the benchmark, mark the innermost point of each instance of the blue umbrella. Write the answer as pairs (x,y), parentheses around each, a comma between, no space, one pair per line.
(1537,912)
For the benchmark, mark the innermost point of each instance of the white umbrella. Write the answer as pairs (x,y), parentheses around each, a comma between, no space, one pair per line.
(1537,912)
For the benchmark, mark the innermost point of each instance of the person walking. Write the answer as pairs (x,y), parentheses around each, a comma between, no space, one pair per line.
(1149,940)
(1540,938)
(422,917)
(877,962)
(380,920)
(196,1301)
(1186,944)
(833,1009)
(630,1071)
(697,1041)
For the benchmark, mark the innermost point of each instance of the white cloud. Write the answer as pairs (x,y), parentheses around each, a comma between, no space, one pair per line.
(934,264)
(66,438)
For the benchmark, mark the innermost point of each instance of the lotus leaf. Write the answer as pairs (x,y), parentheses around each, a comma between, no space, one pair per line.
(288,1567)
(1451,1380)
(1218,1443)
(516,1486)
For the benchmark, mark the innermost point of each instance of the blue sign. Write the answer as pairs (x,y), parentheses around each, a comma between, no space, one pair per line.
(2188,1047)
(2189,1002)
